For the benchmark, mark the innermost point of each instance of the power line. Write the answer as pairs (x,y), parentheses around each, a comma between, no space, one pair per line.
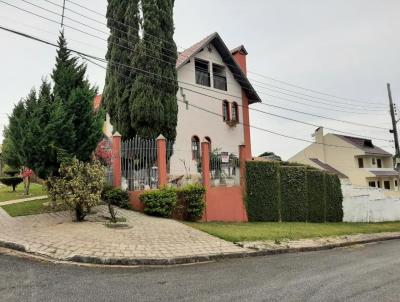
(255,73)
(204,109)
(278,97)
(147,72)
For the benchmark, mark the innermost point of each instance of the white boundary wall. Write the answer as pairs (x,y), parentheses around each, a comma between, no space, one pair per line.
(362,204)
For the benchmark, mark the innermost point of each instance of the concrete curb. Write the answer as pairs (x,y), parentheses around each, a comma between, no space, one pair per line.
(192,259)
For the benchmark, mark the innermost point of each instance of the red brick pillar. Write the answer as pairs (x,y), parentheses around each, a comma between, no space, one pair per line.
(205,163)
(162,161)
(242,160)
(116,160)
(205,170)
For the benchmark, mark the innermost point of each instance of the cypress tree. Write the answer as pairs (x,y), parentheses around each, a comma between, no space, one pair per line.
(168,69)
(123,21)
(147,111)
(142,102)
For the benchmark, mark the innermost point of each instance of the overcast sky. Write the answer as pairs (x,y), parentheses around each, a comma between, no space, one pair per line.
(348,48)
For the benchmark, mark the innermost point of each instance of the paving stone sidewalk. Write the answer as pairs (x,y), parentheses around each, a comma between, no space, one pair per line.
(149,240)
(4,203)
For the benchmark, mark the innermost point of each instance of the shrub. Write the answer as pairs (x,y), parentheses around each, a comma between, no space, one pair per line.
(191,202)
(334,198)
(293,193)
(316,195)
(116,197)
(11,181)
(159,202)
(262,198)
(10,171)
(79,186)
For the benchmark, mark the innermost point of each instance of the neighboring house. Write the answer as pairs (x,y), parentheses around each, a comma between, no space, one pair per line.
(210,68)
(355,158)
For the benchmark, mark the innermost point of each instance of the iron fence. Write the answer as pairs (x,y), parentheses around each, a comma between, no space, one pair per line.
(224,169)
(139,164)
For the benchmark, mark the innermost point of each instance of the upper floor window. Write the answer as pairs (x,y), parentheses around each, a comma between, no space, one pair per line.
(374,161)
(235,112)
(225,111)
(360,162)
(379,163)
(219,77)
(195,147)
(202,72)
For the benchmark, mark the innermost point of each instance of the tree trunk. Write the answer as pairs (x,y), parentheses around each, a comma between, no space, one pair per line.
(27,183)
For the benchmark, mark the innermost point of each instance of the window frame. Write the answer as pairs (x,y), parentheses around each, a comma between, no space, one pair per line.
(235,112)
(196,71)
(195,153)
(220,75)
(226,116)
(360,162)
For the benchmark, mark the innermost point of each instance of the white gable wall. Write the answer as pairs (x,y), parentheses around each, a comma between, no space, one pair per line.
(193,121)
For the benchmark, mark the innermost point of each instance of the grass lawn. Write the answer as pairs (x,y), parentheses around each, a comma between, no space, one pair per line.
(30,208)
(278,231)
(7,194)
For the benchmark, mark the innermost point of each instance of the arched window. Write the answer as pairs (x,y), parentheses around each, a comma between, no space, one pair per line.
(195,147)
(225,111)
(235,112)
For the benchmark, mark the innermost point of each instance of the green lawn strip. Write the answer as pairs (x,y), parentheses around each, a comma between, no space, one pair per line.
(254,231)
(30,208)
(7,194)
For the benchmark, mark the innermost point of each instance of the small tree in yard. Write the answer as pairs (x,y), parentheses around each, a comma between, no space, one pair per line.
(79,186)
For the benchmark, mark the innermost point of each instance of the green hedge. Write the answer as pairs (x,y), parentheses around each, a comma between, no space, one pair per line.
(282,192)
(191,202)
(185,203)
(262,198)
(316,195)
(334,198)
(293,193)
(116,197)
(159,203)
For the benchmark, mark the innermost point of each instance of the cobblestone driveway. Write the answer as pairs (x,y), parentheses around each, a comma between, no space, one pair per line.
(149,238)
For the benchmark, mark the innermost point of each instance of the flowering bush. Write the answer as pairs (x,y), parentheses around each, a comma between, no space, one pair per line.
(79,186)
(103,152)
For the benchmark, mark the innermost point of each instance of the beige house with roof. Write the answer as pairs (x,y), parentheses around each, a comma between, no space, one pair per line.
(353,158)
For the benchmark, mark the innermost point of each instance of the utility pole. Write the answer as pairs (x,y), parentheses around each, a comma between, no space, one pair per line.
(394,125)
(62,16)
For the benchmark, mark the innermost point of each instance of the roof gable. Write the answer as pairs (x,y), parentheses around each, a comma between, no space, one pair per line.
(227,58)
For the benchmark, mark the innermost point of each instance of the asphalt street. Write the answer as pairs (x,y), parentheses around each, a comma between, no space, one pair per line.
(359,273)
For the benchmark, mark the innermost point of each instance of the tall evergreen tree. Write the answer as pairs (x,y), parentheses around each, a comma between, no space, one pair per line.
(147,111)
(146,104)
(168,70)
(50,127)
(123,21)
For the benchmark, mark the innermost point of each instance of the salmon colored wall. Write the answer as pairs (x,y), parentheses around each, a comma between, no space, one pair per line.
(135,201)
(225,204)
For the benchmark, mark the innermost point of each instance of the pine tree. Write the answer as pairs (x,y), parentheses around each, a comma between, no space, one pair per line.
(67,74)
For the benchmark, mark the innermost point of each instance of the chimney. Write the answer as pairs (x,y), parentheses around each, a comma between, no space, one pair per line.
(239,54)
(319,135)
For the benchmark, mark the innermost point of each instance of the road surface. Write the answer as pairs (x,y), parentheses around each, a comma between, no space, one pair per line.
(359,273)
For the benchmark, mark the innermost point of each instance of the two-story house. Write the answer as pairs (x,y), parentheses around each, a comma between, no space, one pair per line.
(355,158)
(213,101)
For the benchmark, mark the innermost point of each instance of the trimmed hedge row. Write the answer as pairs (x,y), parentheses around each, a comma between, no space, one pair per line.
(262,200)
(316,195)
(292,193)
(294,197)
(334,198)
